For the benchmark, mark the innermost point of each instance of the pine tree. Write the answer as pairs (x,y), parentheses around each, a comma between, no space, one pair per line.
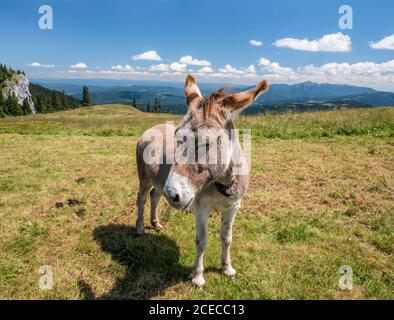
(45,104)
(148,107)
(156,106)
(86,99)
(26,107)
(13,107)
(2,113)
(134,103)
(5,106)
(64,100)
(39,105)
(55,103)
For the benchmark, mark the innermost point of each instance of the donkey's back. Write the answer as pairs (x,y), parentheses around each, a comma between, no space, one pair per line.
(152,175)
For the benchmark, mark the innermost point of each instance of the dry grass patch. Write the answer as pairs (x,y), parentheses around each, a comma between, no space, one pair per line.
(68,201)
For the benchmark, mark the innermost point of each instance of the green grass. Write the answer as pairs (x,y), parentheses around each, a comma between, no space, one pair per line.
(107,120)
(346,122)
(117,120)
(320,196)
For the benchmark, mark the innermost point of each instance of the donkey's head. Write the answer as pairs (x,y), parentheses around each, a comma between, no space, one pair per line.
(204,140)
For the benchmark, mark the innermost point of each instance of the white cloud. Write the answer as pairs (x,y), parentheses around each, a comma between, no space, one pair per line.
(255,43)
(385,43)
(148,55)
(360,69)
(264,62)
(195,62)
(274,67)
(39,65)
(79,65)
(178,67)
(369,74)
(230,69)
(251,69)
(159,67)
(122,68)
(365,73)
(205,70)
(335,42)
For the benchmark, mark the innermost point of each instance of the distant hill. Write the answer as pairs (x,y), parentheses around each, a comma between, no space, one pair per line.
(19,97)
(280,97)
(307,91)
(169,96)
(309,96)
(47,100)
(15,96)
(374,98)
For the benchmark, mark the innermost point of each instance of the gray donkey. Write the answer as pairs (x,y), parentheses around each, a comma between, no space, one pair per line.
(199,164)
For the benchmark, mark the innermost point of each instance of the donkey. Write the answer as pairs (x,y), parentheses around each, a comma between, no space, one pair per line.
(219,184)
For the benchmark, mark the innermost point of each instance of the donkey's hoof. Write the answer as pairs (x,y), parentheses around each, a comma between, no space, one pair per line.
(229,271)
(139,231)
(157,226)
(199,281)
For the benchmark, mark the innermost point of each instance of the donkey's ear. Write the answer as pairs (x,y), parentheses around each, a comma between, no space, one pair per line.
(237,101)
(192,92)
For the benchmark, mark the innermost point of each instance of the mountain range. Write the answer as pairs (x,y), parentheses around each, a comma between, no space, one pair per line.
(298,97)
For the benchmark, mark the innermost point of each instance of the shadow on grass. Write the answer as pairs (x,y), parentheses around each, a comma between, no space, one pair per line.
(151,261)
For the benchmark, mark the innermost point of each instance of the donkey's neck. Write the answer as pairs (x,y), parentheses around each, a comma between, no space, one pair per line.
(230,126)
(232,183)
(236,153)
(235,145)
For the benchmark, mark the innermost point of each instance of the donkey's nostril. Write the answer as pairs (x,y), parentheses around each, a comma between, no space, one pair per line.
(176,198)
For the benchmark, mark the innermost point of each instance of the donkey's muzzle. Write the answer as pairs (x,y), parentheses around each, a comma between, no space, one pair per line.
(172,196)
(178,191)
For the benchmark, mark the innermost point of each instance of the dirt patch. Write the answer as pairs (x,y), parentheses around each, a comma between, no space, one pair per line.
(80,212)
(59,205)
(74,202)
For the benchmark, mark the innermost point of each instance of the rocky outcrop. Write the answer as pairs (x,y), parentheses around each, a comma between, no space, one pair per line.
(19,86)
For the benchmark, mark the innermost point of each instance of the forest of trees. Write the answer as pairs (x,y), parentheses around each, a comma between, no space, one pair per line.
(10,106)
(45,100)
(156,107)
(7,73)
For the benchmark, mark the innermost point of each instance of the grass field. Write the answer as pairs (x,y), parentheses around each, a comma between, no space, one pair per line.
(321,196)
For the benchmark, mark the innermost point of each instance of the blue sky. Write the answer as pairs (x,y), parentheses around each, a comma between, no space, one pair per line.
(101,37)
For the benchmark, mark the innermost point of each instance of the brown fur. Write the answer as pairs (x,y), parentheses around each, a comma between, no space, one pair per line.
(213,112)
(212,105)
(221,100)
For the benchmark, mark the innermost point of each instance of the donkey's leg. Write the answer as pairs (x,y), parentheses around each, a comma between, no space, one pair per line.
(141,200)
(202,214)
(154,201)
(226,235)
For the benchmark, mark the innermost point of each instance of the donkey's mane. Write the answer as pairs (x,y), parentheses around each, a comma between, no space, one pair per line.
(212,104)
